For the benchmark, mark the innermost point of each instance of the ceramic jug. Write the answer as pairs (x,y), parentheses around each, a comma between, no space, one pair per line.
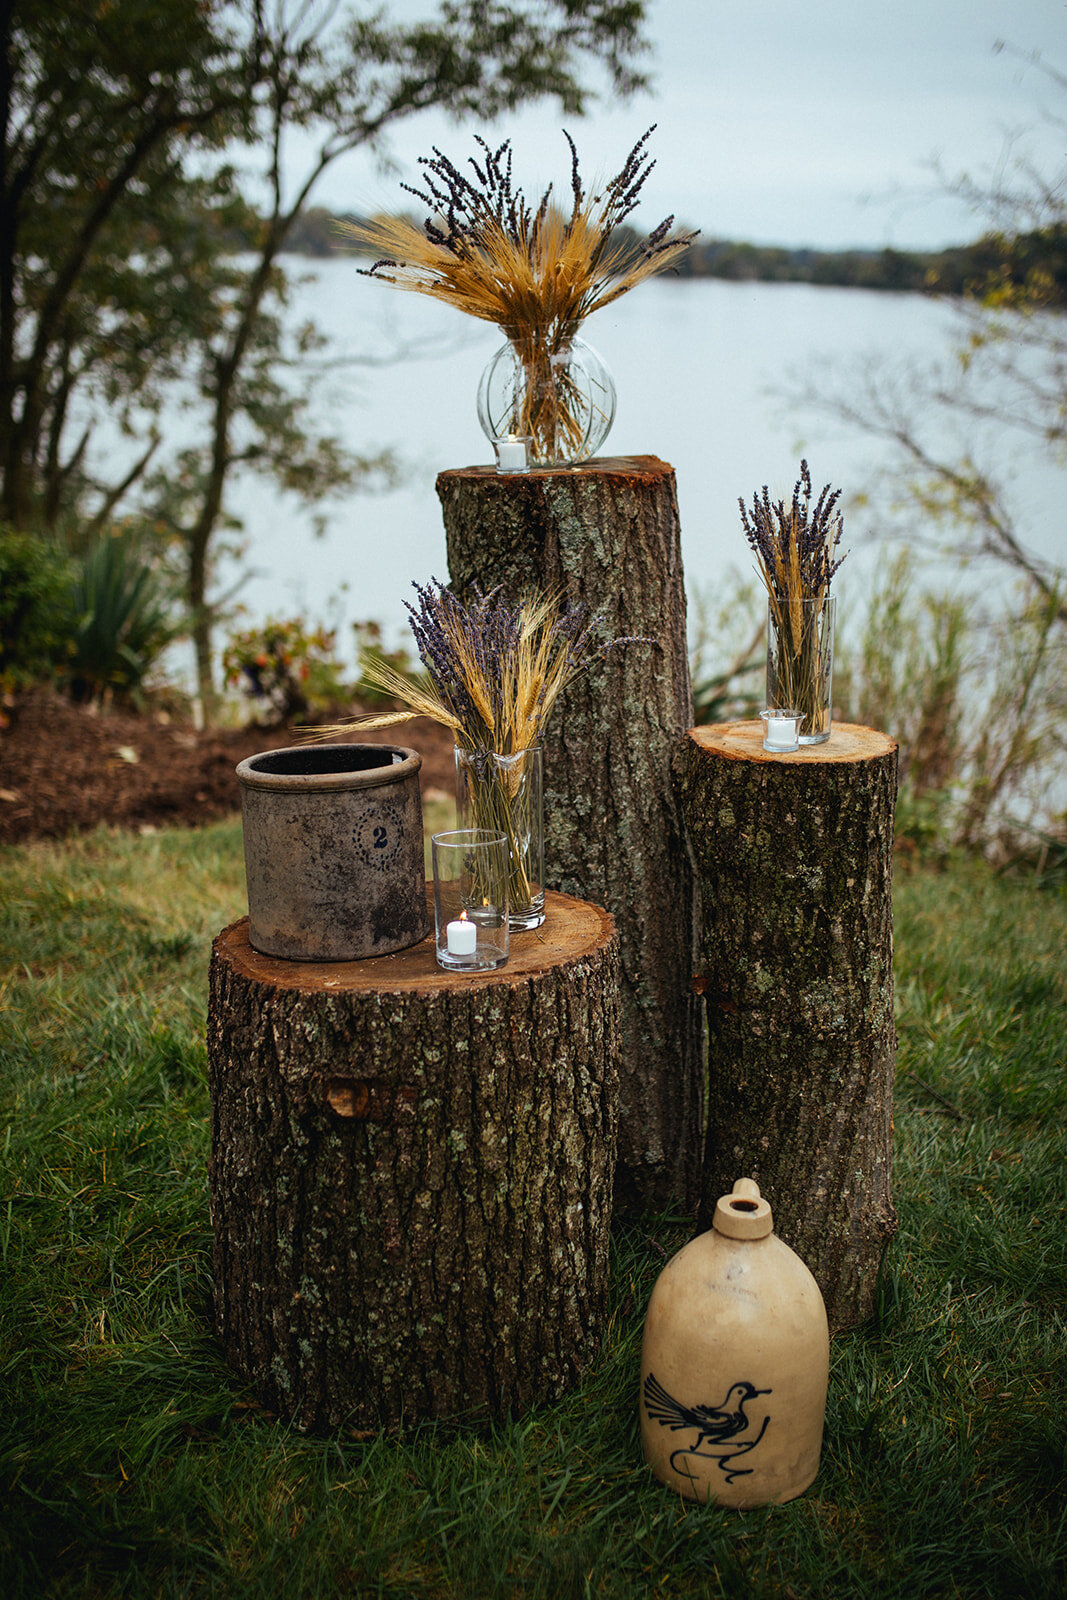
(734,1363)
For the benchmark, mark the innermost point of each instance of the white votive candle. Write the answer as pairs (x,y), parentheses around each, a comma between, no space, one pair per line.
(461,936)
(511,454)
(782,733)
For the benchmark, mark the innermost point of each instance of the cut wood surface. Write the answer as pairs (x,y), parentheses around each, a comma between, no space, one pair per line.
(607,533)
(795,859)
(743,741)
(571,929)
(411,1173)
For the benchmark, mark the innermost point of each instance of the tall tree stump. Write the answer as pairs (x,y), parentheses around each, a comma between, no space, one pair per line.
(608,533)
(411,1173)
(795,860)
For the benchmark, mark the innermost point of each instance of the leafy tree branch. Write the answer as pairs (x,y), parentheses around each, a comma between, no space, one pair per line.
(120,289)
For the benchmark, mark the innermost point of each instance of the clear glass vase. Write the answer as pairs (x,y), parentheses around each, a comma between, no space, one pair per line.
(561,401)
(503,794)
(800,663)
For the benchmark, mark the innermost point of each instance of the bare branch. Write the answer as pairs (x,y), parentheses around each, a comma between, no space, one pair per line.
(115,494)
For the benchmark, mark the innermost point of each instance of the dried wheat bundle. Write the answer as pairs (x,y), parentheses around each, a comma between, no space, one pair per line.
(537,272)
(493,671)
(795,547)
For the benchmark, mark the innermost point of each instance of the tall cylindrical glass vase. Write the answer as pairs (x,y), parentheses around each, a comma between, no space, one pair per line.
(503,794)
(800,662)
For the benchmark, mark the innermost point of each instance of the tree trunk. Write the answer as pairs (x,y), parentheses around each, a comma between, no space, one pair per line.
(795,859)
(411,1173)
(200,614)
(607,533)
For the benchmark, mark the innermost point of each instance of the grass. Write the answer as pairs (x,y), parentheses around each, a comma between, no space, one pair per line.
(134,1465)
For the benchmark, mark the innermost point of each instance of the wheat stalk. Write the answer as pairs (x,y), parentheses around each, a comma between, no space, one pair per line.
(795,547)
(493,672)
(537,288)
(536,272)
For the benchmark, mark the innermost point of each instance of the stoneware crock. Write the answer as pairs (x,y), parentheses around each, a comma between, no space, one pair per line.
(333,851)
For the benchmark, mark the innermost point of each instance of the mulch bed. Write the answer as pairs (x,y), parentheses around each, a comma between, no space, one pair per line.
(66,768)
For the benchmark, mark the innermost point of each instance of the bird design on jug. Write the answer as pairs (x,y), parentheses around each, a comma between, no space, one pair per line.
(719,1426)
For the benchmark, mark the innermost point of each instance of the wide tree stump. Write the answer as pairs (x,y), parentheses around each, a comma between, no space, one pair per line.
(411,1173)
(795,860)
(607,533)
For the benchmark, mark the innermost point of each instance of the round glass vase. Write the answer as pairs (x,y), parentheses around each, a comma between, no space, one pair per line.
(800,663)
(503,795)
(562,401)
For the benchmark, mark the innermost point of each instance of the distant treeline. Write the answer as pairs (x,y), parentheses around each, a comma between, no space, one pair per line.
(1031,260)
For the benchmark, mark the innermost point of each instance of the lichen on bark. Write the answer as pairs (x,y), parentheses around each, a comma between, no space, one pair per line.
(608,533)
(438,1246)
(795,864)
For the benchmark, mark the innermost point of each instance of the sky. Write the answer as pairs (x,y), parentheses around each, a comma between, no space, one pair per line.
(784,122)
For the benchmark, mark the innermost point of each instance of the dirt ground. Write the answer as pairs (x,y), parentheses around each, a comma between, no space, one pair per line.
(65,768)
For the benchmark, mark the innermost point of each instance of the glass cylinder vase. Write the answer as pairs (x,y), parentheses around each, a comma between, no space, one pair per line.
(503,794)
(562,401)
(800,663)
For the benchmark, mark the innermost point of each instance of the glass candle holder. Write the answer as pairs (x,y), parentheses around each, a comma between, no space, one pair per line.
(513,453)
(781,729)
(470,888)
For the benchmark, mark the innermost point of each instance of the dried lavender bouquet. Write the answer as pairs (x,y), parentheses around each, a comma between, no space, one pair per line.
(493,675)
(795,548)
(536,271)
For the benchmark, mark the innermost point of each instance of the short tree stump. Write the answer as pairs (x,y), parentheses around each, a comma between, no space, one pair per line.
(411,1173)
(795,856)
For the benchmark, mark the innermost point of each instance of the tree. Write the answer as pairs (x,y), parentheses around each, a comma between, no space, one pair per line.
(955,425)
(972,685)
(118,200)
(95,121)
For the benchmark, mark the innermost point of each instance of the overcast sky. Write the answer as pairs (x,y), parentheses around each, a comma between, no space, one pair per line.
(786,122)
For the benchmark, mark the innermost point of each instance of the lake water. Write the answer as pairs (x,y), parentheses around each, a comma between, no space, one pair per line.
(700,368)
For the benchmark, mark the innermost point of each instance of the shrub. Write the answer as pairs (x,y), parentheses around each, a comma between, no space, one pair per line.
(285,669)
(976,703)
(727,650)
(371,653)
(36,609)
(124,618)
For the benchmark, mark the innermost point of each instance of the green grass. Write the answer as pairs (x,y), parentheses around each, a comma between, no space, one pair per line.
(133,1464)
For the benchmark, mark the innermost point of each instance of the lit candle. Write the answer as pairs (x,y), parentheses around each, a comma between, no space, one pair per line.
(511,454)
(461,936)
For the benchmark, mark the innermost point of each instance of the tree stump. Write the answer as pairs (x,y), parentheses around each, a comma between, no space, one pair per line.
(411,1173)
(608,533)
(795,861)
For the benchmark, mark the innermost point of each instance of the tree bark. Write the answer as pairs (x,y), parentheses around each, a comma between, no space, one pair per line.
(795,859)
(607,533)
(411,1173)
